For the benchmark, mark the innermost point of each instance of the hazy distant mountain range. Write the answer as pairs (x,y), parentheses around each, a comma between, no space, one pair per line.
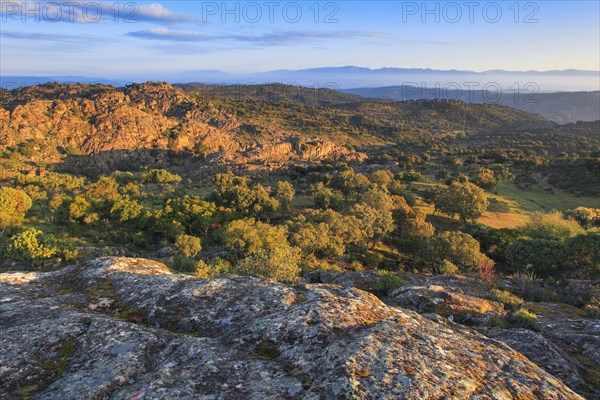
(349,77)
(352,77)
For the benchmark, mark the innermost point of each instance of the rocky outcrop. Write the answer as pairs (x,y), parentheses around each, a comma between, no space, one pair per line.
(366,280)
(97,119)
(456,305)
(546,354)
(315,150)
(566,343)
(128,328)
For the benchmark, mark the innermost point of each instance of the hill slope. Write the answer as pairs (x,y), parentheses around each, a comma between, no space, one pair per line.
(71,119)
(562,107)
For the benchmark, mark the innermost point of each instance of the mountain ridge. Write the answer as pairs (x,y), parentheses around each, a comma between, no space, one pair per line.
(347,77)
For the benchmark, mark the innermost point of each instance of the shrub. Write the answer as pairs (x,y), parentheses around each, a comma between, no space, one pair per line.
(523,318)
(388,281)
(183,263)
(486,271)
(79,208)
(30,245)
(125,209)
(551,226)
(14,203)
(459,248)
(545,257)
(219,266)
(587,217)
(161,176)
(505,297)
(202,270)
(533,289)
(584,251)
(216,267)
(592,310)
(106,188)
(187,245)
(496,242)
(281,264)
(446,267)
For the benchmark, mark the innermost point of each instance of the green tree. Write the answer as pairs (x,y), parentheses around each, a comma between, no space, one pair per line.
(263,205)
(460,248)
(463,199)
(584,251)
(14,204)
(375,216)
(485,178)
(161,176)
(30,245)
(279,263)
(284,193)
(349,182)
(234,193)
(409,177)
(195,214)
(187,245)
(79,209)
(315,238)
(249,236)
(124,209)
(381,177)
(325,198)
(545,257)
(414,226)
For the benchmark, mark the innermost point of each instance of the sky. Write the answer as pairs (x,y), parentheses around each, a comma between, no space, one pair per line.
(163,39)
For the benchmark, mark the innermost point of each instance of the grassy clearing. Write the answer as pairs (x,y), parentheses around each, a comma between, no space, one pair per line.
(511,207)
(540,198)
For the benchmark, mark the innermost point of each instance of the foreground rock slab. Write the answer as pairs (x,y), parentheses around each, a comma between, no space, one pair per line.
(128,329)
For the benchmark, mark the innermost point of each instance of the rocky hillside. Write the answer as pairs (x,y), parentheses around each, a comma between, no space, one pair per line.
(128,328)
(90,119)
(49,121)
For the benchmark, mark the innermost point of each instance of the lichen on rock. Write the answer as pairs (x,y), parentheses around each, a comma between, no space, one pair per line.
(240,338)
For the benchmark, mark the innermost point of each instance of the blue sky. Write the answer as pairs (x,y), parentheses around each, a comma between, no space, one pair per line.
(160,39)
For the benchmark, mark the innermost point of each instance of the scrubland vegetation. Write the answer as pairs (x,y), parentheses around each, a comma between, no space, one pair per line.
(428,197)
